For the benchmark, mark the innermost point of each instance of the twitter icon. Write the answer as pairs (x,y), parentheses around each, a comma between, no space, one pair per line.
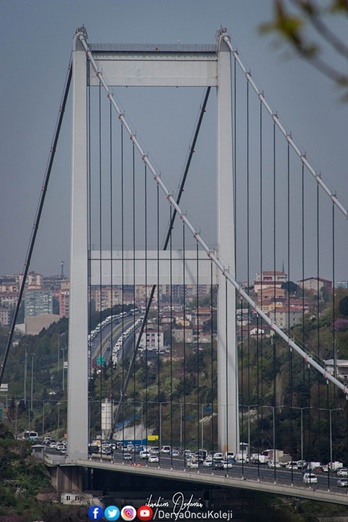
(111,513)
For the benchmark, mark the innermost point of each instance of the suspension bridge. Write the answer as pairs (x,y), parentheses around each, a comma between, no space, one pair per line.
(234,331)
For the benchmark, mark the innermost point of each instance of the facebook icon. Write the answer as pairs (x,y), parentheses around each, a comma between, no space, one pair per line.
(95,513)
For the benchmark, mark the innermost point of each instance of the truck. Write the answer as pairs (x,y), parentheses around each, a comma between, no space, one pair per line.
(312,465)
(274,454)
(258,458)
(334,466)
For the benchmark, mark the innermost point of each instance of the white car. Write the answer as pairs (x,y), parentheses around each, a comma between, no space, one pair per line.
(144,454)
(291,465)
(273,464)
(207,463)
(127,456)
(153,458)
(310,478)
(193,464)
(227,464)
(218,456)
(342,472)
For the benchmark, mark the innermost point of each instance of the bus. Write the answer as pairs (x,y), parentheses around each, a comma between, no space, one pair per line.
(31,435)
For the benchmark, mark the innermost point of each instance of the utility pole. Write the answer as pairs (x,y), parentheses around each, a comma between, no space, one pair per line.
(25,375)
(63,349)
(32,381)
(301,427)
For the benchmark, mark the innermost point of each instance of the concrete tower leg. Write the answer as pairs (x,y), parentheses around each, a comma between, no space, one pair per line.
(78,319)
(227,361)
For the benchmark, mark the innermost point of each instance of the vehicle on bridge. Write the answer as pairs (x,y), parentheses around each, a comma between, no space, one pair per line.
(259,458)
(310,478)
(187,454)
(218,464)
(201,455)
(334,466)
(93,448)
(218,461)
(144,455)
(31,435)
(273,464)
(193,463)
(313,466)
(127,456)
(153,459)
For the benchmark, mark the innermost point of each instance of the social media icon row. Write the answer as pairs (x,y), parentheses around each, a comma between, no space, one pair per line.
(127,513)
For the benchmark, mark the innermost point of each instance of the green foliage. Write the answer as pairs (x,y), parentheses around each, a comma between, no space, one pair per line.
(291,27)
(343,305)
(290,287)
(309,28)
(22,476)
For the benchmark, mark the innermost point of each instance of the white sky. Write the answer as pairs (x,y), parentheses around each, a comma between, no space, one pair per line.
(35,46)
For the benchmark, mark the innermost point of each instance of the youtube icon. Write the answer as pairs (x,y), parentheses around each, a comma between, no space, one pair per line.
(145,513)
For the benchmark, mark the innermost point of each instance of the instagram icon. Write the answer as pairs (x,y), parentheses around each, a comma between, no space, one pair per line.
(128,513)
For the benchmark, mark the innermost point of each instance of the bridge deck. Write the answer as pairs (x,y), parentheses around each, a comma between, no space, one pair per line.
(226,480)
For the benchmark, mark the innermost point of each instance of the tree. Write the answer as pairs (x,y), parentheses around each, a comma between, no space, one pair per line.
(343,305)
(290,287)
(297,20)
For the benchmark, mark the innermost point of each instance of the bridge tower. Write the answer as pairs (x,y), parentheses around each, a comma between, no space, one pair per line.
(177,65)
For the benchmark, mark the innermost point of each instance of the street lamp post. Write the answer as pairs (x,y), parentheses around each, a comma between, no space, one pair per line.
(274,434)
(181,407)
(63,350)
(31,390)
(202,426)
(25,374)
(202,422)
(58,405)
(274,437)
(330,428)
(16,424)
(249,406)
(301,410)
(58,351)
(43,419)
(32,381)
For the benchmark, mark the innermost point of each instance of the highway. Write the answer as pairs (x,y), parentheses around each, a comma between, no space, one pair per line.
(251,477)
(105,340)
(242,471)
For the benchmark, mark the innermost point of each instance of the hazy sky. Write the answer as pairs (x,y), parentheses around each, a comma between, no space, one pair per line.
(36,42)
